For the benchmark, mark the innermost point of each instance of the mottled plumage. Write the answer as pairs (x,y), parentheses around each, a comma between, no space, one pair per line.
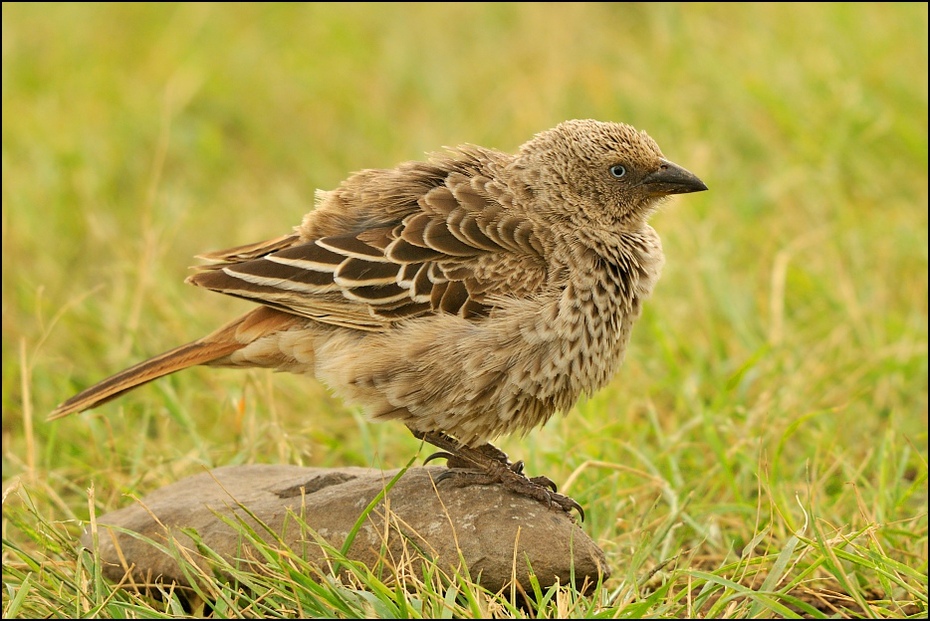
(473,294)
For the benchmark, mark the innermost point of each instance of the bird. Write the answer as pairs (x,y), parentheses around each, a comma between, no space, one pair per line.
(468,295)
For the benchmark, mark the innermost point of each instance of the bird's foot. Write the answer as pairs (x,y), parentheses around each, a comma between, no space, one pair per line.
(540,488)
(487,464)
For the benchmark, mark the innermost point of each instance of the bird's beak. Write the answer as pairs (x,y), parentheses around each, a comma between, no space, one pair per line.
(671,178)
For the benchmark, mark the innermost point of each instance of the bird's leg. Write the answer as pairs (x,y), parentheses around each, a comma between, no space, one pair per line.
(487,464)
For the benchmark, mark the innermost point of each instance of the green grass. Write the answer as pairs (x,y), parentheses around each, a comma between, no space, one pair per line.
(763,451)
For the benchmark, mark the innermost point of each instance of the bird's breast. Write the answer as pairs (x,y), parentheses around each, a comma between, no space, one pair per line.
(595,313)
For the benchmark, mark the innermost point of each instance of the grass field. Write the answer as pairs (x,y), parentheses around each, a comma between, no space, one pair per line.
(762,452)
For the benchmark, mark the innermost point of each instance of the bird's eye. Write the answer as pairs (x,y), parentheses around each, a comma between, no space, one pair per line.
(617,171)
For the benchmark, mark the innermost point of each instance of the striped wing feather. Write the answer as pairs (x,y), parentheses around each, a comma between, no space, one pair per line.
(432,260)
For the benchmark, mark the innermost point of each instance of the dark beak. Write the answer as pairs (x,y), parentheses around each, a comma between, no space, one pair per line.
(672,179)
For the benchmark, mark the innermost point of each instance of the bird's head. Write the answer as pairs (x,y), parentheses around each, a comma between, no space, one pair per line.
(601,173)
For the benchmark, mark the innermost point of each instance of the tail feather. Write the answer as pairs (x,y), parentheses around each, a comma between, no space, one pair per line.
(237,334)
(191,354)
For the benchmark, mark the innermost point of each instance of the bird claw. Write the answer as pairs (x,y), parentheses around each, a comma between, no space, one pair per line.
(453,461)
(566,504)
(438,455)
(545,481)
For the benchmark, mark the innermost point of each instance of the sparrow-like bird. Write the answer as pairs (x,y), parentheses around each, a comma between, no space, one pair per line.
(467,296)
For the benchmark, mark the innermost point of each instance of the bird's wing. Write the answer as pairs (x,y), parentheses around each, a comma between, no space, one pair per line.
(453,253)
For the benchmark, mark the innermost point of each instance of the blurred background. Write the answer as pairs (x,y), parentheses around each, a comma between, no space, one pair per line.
(784,351)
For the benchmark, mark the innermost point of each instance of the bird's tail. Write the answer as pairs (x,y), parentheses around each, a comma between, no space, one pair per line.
(191,354)
(210,349)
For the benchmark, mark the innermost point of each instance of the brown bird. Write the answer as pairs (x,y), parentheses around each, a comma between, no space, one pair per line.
(467,296)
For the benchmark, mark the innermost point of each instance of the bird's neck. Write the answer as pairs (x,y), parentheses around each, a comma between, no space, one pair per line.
(626,262)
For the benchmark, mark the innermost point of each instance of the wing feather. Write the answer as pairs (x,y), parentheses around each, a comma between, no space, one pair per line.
(451,251)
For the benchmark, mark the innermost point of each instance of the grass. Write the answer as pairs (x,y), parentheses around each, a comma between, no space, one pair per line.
(763,450)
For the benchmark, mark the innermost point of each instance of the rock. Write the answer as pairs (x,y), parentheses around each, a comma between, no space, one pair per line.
(479,525)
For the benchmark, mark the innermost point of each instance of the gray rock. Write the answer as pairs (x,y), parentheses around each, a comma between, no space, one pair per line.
(480,525)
